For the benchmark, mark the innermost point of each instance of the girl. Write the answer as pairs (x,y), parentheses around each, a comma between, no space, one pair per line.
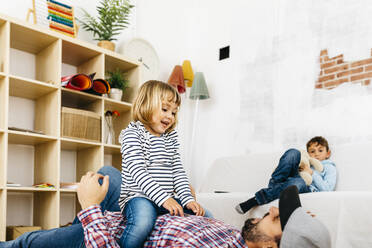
(152,171)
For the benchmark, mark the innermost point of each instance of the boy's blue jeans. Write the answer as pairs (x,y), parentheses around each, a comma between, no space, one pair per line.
(285,174)
(71,236)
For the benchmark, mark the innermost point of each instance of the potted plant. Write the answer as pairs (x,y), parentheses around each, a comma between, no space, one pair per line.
(118,82)
(112,17)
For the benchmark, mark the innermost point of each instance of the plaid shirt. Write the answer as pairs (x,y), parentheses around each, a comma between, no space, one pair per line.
(169,231)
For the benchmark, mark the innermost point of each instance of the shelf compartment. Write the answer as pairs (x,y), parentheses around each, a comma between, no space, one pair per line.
(81,59)
(32,209)
(68,207)
(132,69)
(120,122)
(43,99)
(81,100)
(3,101)
(39,163)
(43,51)
(79,158)
(4,46)
(112,156)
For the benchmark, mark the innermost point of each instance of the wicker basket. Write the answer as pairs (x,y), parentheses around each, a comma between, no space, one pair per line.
(82,124)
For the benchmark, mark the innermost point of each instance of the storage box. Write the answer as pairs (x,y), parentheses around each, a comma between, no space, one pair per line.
(81,124)
(12,232)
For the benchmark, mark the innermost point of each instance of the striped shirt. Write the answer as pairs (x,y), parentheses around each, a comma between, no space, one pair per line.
(169,231)
(151,167)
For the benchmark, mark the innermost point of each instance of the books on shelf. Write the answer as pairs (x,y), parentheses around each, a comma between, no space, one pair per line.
(25,130)
(10,184)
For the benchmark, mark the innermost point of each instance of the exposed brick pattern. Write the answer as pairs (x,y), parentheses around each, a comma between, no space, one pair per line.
(335,71)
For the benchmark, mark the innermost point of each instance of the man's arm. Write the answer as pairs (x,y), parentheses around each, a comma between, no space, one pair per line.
(90,194)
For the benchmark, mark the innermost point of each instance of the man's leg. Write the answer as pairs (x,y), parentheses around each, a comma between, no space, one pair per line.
(141,215)
(65,237)
(111,201)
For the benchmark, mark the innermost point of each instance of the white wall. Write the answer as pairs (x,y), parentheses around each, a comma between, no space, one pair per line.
(262,98)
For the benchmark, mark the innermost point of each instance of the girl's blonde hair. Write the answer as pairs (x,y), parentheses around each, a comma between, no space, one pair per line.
(149,99)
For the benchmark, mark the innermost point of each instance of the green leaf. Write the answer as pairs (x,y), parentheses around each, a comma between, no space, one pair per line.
(113,16)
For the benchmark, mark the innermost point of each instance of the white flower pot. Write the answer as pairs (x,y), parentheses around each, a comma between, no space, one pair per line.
(116,94)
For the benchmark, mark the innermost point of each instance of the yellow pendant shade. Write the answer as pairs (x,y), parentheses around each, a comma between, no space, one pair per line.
(188,74)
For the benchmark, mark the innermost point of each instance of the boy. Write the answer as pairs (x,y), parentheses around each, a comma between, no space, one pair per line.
(287,173)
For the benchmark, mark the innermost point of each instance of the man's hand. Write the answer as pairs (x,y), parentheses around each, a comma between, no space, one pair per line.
(196,208)
(89,191)
(173,207)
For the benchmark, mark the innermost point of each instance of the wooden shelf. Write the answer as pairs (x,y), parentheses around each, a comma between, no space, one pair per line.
(48,156)
(28,88)
(112,149)
(67,190)
(76,54)
(75,144)
(29,189)
(28,39)
(25,138)
(120,106)
(81,100)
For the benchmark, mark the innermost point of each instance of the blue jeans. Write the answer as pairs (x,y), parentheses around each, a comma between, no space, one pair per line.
(141,214)
(71,236)
(285,174)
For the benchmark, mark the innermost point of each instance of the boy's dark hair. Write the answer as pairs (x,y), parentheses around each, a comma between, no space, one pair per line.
(318,140)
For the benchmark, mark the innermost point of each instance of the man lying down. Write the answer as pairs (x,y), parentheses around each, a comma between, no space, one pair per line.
(100,224)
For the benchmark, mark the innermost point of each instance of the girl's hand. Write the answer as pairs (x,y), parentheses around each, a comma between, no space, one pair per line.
(196,208)
(173,207)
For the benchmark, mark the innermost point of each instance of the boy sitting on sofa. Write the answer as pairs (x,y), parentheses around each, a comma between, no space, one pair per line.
(287,173)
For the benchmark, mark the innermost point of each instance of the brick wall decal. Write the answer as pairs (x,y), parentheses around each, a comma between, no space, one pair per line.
(335,71)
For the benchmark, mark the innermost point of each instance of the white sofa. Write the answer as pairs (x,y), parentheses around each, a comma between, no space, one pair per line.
(347,212)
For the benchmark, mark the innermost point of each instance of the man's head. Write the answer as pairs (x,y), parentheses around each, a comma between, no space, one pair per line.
(318,148)
(263,232)
(288,226)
